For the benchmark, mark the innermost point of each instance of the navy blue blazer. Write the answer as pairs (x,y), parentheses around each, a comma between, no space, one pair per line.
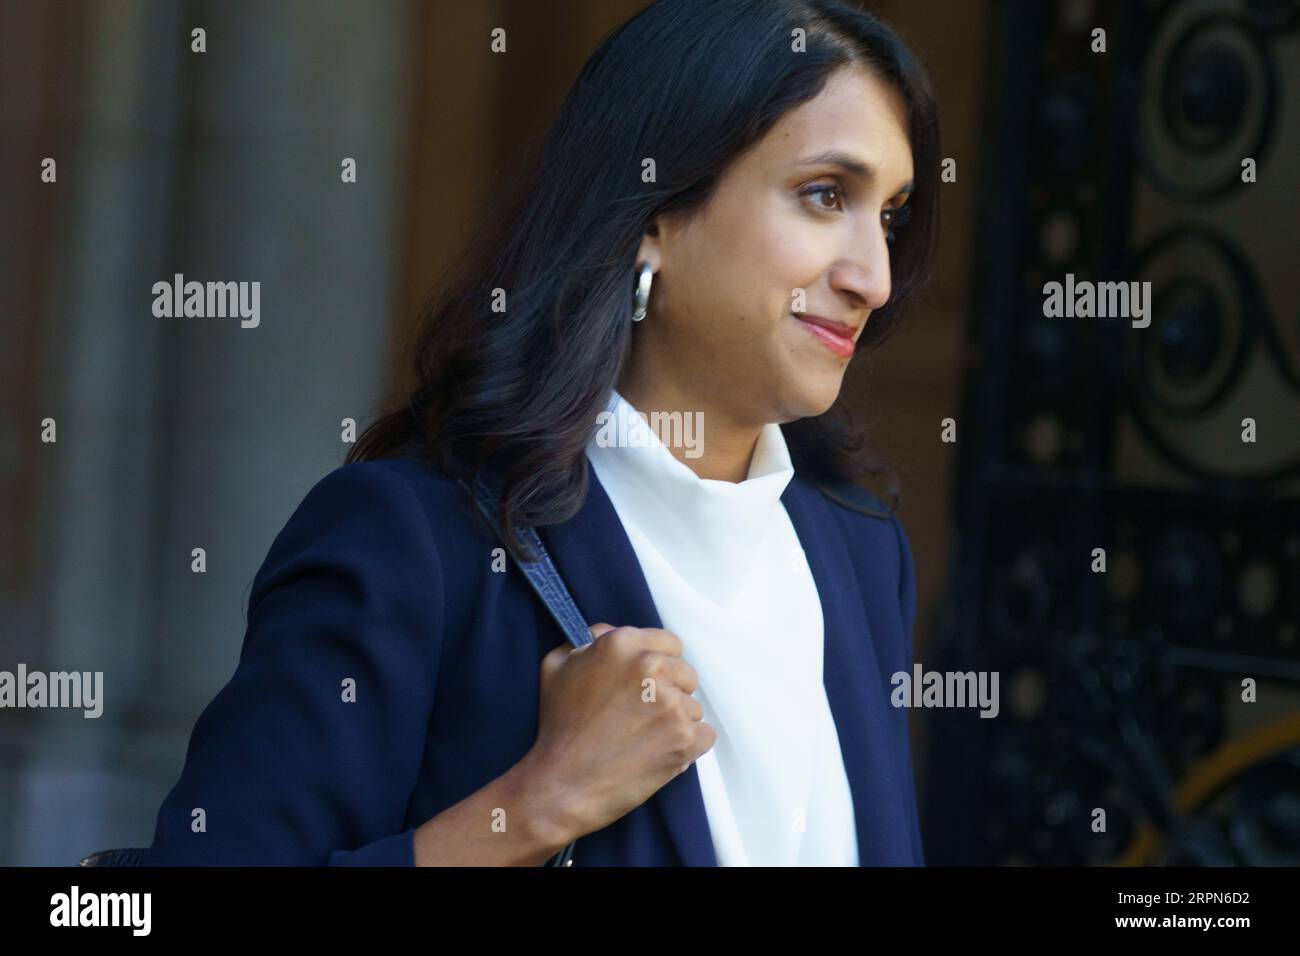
(381,576)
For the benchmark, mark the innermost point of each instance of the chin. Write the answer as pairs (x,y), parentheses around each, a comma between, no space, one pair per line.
(810,401)
(811,381)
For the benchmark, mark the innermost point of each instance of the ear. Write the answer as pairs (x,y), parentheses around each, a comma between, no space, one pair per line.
(650,250)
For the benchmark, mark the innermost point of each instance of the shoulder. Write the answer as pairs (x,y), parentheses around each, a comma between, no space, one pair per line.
(403,482)
(855,499)
(404,492)
(863,513)
(386,514)
(875,536)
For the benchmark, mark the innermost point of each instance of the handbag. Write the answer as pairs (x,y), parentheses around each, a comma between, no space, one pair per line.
(545,579)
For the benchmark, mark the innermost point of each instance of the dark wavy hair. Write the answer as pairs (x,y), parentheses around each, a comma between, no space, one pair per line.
(692,83)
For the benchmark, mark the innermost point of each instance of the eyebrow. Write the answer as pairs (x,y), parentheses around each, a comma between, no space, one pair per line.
(851,165)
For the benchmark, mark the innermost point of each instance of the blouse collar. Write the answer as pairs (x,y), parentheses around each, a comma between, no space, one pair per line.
(708,529)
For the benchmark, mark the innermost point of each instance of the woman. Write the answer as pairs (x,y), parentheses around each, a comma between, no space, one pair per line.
(713,228)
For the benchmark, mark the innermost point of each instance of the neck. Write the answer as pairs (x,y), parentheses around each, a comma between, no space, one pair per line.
(727,443)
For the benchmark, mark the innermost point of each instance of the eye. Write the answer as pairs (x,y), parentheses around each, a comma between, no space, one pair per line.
(897,218)
(833,189)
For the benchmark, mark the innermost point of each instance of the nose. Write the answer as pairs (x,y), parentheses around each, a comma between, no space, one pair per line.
(862,273)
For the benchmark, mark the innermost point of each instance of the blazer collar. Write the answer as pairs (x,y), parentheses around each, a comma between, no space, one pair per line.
(596,560)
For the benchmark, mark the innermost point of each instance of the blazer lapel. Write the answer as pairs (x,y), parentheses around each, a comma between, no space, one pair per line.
(596,560)
(849,668)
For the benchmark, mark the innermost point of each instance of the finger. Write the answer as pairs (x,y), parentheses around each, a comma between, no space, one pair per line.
(665,642)
(554,658)
(681,675)
(692,707)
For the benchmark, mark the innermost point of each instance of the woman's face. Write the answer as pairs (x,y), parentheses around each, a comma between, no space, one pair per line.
(788,230)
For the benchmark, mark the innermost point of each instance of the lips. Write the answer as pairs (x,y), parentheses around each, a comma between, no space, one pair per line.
(837,336)
(842,329)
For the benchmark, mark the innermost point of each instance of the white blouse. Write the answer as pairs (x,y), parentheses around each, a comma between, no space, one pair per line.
(729,578)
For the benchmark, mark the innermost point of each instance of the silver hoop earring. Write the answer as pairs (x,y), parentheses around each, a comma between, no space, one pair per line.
(645,275)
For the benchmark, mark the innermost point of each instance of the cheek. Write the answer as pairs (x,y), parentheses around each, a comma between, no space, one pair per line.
(743,270)
(783,251)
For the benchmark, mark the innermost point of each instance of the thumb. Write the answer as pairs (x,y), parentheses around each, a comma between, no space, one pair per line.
(562,652)
(596,631)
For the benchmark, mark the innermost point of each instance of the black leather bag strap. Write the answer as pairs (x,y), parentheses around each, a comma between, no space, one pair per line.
(545,579)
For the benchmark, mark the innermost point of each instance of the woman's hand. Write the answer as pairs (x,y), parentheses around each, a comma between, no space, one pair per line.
(617,721)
